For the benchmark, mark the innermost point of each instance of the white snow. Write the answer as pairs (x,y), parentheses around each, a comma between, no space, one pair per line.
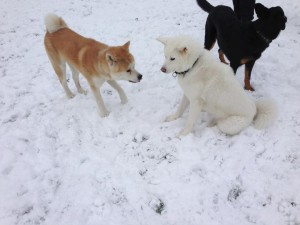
(60,163)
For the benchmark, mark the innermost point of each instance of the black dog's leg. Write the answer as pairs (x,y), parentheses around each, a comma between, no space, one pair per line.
(236,7)
(234,66)
(248,69)
(222,56)
(210,35)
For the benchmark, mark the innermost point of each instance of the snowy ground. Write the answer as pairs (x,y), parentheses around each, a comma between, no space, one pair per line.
(60,163)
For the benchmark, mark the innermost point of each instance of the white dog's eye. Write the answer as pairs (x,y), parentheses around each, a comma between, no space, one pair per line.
(172,59)
(128,71)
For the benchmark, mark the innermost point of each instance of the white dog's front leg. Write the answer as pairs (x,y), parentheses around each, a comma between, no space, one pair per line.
(194,113)
(182,107)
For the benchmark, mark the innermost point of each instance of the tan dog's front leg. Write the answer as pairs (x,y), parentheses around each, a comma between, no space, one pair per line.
(120,91)
(95,88)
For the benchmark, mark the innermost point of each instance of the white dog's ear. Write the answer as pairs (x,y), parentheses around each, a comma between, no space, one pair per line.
(183,50)
(126,45)
(163,40)
(110,59)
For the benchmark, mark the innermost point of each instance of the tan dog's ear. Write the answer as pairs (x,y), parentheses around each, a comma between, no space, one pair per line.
(126,45)
(110,60)
(183,50)
(163,40)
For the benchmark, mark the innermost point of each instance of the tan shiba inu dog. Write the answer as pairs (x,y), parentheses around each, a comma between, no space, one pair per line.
(96,61)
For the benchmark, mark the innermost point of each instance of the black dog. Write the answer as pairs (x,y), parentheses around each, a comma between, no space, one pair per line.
(242,43)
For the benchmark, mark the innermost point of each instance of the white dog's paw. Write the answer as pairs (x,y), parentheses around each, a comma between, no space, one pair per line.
(104,114)
(212,123)
(171,118)
(182,133)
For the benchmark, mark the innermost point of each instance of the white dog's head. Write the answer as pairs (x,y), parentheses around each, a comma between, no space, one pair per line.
(181,52)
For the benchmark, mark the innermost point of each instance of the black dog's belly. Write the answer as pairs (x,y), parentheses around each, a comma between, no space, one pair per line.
(232,36)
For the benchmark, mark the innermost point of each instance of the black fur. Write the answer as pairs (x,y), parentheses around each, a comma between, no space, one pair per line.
(242,41)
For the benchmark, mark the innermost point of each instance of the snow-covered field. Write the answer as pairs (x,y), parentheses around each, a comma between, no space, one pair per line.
(60,163)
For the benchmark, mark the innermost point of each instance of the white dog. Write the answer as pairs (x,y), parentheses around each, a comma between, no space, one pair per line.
(210,86)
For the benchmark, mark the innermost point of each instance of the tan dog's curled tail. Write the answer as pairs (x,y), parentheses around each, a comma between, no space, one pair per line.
(54,23)
(266,113)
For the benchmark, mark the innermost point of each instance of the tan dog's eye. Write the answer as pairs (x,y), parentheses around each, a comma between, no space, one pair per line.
(128,71)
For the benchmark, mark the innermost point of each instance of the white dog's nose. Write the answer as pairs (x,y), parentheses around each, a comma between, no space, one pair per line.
(163,69)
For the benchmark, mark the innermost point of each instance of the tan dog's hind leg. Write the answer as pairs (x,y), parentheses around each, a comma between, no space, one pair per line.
(75,75)
(59,67)
(60,70)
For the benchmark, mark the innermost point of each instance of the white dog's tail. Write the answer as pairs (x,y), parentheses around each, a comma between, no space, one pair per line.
(54,23)
(266,113)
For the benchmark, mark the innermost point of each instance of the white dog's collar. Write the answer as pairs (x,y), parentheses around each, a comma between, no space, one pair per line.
(185,72)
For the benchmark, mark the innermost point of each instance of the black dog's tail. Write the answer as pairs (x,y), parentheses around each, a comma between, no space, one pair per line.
(205,5)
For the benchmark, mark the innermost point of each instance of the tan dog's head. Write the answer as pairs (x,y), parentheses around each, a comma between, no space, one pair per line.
(121,64)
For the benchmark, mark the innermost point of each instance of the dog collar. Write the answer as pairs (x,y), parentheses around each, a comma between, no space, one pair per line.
(185,72)
(267,40)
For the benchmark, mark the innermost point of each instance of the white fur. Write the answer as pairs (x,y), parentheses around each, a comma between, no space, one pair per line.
(267,113)
(211,86)
(54,23)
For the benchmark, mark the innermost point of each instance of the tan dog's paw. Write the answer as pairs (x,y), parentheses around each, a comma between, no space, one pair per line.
(70,95)
(82,91)
(104,114)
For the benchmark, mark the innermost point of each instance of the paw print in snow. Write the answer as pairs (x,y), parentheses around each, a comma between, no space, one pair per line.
(286,208)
